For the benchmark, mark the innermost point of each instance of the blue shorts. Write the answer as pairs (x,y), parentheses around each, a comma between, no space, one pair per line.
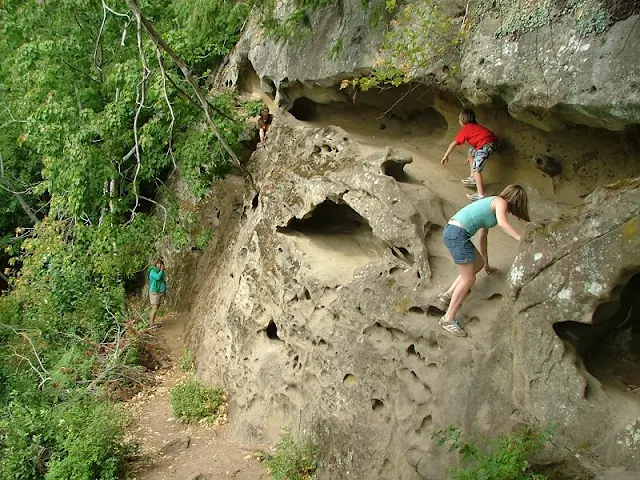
(480,155)
(458,241)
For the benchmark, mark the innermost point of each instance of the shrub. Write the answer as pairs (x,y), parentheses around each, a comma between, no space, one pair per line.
(292,461)
(253,107)
(187,362)
(80,439)
(504,457)
(192,401)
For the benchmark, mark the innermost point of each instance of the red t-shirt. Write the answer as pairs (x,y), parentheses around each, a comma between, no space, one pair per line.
(477,135)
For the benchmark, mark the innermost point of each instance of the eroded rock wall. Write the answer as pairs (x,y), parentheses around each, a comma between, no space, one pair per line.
(574,270)
(315,315)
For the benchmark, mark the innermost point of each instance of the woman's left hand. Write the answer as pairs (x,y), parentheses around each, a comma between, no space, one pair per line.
(488,269)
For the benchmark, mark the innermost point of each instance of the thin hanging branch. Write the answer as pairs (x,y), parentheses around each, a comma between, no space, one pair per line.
(166,98)
(140,98)
(5,185)
(186,72)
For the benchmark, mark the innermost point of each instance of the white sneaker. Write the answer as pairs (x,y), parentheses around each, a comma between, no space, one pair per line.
(474,196)
(452,327)
(469,181)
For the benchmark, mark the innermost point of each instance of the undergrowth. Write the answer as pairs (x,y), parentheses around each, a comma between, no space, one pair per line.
(192,402)
(503,457)
(292,460)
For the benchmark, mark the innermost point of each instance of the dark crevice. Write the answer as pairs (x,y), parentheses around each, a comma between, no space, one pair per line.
(328,217)
(272,331)
(396,170)
(609,348)
(303,109)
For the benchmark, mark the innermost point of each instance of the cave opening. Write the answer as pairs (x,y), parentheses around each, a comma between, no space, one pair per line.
(610,347)
(335,240)
(328,217)
(304,109)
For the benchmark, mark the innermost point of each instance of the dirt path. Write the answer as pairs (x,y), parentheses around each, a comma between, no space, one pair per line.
(173,451)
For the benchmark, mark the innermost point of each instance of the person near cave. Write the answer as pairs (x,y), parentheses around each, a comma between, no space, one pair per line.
(264,123)
(157,288)
(483,143)
(478,217)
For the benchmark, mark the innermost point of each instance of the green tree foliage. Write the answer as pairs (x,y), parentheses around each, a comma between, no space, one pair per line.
(93,121)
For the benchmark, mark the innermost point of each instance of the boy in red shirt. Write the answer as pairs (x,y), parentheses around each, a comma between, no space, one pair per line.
(483,143)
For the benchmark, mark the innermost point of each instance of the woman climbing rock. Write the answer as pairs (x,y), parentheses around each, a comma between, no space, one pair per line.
(479,216)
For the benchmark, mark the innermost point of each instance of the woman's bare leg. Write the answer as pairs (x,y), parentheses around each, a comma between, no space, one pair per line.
(463,284)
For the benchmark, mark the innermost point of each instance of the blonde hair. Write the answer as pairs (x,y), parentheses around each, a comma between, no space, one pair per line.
(517,203)
(467,116)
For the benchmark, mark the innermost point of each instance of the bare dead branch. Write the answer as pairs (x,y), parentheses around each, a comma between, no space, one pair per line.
(140,98)
(166,213)
(5,185)
(173,117)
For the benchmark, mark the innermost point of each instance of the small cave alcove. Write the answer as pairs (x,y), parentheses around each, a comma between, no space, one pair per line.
(335,240)
(610,347)
(328,217)
(304,109)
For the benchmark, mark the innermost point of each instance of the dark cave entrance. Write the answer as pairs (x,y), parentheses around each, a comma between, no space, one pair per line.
(304,109)
(610,348)
(328,217)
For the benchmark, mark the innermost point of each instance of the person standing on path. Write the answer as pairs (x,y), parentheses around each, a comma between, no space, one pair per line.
(157,288)
(479,217)
(483,143)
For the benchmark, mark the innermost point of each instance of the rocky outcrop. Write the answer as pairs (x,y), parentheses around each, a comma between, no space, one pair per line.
(315,314)
(551,77)
(312,311)
(573,281)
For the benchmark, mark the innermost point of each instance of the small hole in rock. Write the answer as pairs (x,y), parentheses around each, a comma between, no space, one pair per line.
(419,310)
(411,350)
(349,380)
(256,199)
(272,331)
(377,404)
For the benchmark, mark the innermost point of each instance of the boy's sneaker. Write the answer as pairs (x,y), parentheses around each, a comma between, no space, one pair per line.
(452,327)
(469,181)
(474,196)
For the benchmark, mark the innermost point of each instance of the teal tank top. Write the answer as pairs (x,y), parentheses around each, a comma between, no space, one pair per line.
(477,215)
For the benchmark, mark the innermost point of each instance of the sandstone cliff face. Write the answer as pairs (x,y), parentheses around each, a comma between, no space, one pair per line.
(575,317)
(316,315)
(551,77)
(313,312)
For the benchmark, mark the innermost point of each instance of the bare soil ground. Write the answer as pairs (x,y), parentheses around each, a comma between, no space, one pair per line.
(171,450)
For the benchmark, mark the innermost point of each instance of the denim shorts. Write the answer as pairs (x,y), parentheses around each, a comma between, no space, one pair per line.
(458,241)
(480,155)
